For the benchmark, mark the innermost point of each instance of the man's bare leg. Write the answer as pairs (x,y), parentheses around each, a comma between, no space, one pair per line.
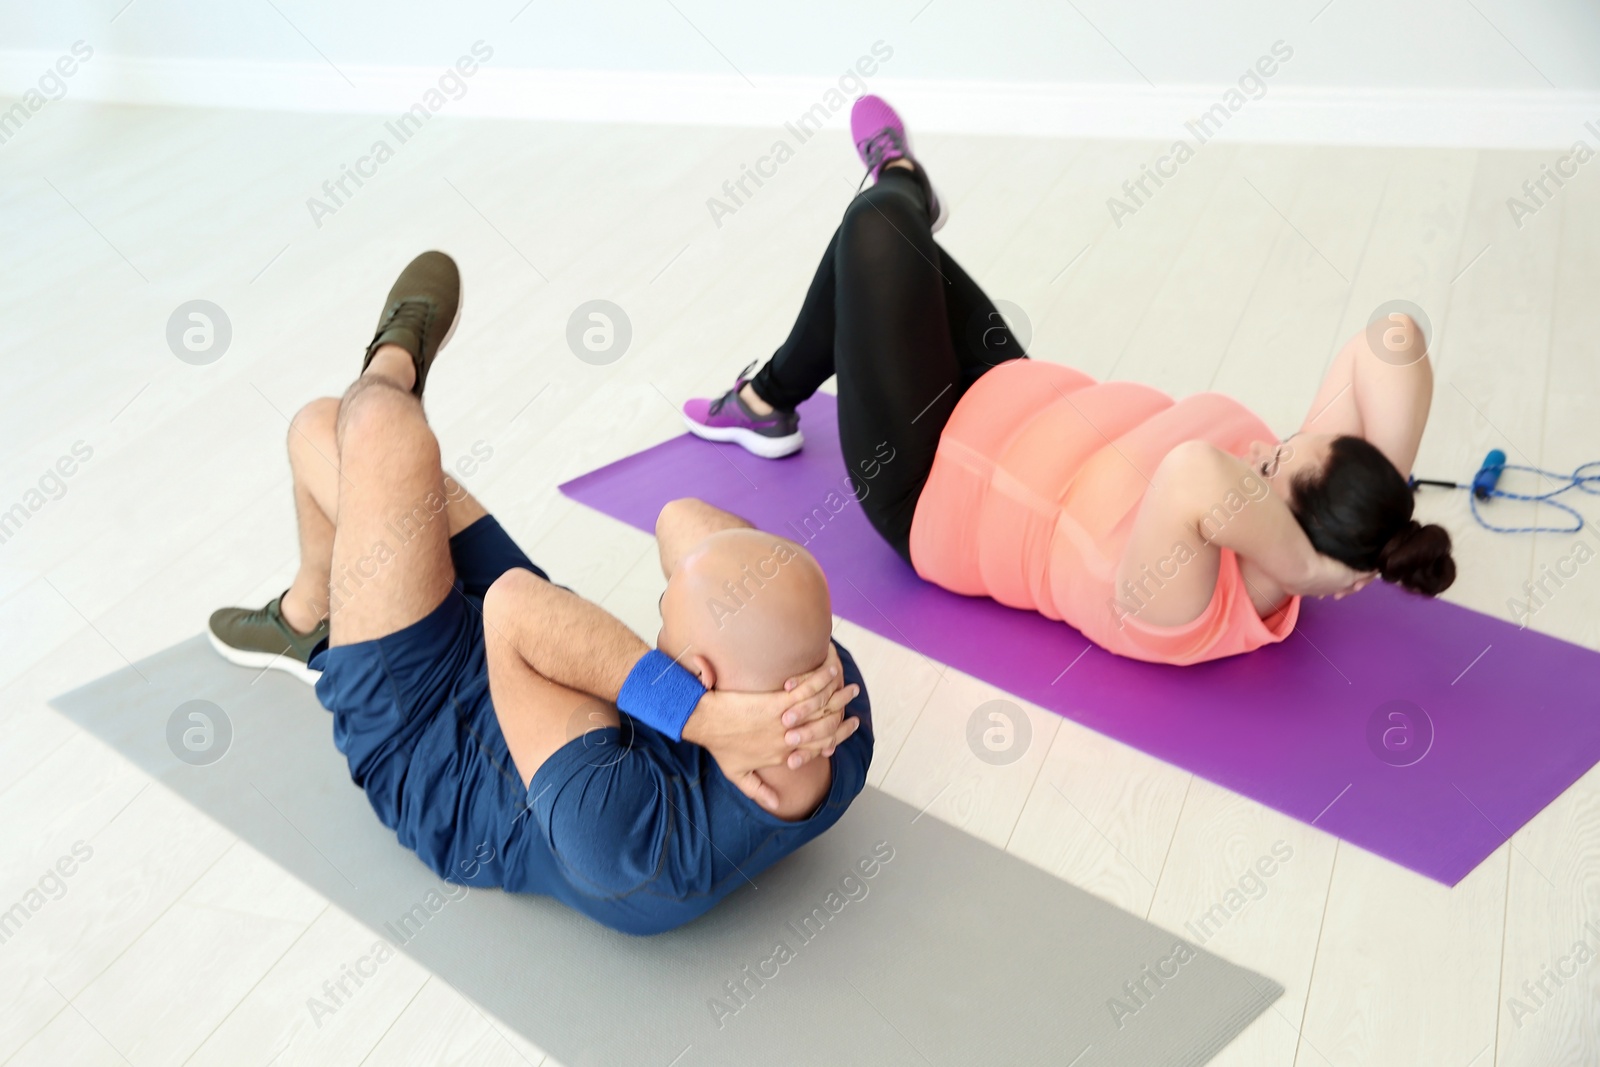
(367,462)
(390,548)
(375,511)
(314,461)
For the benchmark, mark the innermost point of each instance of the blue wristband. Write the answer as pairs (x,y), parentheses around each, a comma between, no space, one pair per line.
(660,693)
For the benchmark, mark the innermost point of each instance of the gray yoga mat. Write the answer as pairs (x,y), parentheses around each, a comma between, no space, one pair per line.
(950,952)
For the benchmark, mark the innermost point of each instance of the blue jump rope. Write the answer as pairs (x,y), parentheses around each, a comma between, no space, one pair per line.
(1485,487)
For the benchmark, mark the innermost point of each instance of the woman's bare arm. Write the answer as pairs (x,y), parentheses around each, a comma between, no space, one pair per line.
(1201,501)
(1379,388)
(1252,521)
(1266,533)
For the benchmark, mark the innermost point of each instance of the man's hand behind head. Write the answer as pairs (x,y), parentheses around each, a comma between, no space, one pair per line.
(749,614)
(770,761)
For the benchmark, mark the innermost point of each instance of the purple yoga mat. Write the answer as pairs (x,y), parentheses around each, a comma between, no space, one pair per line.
(1419,730)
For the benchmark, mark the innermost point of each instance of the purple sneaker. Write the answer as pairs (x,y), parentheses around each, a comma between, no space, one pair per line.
(728,418)
(881,138)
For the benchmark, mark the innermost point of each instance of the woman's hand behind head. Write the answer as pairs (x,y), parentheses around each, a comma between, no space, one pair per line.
(1330,577)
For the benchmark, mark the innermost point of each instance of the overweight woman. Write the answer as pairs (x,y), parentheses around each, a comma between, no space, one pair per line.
(1170,531)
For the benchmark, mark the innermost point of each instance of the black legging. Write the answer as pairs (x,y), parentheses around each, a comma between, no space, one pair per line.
(906,330)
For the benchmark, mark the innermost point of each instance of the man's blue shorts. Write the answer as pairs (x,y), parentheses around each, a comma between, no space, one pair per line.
(637,831)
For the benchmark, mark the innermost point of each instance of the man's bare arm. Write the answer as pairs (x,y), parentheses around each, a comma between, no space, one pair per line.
(684,523)
(579,645)
(562,636)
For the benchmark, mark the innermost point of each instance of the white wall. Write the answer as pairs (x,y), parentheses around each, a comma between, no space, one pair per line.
(1422,71)
(1441,44)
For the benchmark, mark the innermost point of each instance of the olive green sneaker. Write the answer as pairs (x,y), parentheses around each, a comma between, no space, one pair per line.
(259,637)
(421,313)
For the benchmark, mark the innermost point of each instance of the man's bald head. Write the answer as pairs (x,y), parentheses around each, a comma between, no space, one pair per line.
(752,605)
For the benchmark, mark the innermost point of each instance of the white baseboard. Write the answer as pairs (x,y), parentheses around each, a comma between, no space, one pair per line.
(1286,114)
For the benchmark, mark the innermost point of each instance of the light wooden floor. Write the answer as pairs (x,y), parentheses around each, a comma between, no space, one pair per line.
(177,943)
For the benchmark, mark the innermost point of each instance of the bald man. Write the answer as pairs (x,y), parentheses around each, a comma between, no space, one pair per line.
(652,831)
(512,733)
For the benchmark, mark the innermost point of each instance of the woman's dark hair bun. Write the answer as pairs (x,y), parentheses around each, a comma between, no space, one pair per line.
(1418,558)
(1358,510)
